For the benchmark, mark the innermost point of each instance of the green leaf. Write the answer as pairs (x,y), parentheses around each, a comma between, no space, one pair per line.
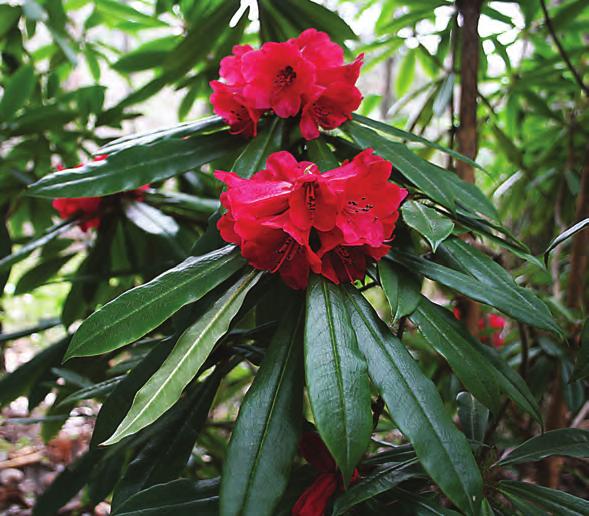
(142,309)
(473,416)
(67,484)
(384,479)
(451,339)
(515,302)
(568,442)
(265,438)
(36,242)
(18,89)
(178,498)
(405,73)
(165,387)
(444,95)
(416,407)
(557,502)
(337,380)
(9,15)
(148,55)
(151,220)
(428,222)
(422,505)
(421,173)
(321,155)
(579,226)
(469,366)
(40,274)
(135,166)
(98,390)
(401,288)
(406,135)
(253,157)
(22,379)
(581,370)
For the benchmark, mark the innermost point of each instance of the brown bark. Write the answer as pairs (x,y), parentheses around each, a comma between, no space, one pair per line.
(580,247)
(467,135)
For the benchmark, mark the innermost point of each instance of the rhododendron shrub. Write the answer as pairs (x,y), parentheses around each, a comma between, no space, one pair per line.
(289,266)
(303,76)
(292,219)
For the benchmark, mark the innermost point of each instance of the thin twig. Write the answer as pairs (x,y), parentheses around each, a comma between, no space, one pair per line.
(561,49)
(523,370)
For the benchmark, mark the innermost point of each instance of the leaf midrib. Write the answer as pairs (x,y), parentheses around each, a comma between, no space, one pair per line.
(412,395)
(128,314)
(191,348)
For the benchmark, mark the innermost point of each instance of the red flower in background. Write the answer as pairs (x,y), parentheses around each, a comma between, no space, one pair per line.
(306,74)
(491,327)
(291,219)
(88,208)
(315,498)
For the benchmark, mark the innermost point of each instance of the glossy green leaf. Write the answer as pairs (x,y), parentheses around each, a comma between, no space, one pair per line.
(467,363)
(336,376)
(557,502)
(165,387)
(256,471)
(428,222)
(452,340)
(321,155)
(406,135)
(26,249)
(17,91)
(421,173)
(253,157)
(181,497)
(40,274)
(422,505)
(444,95)
(151,220)
(473,415)
(405,73)
(514,302)
(401,287)
(94,391)
(380,481)
(135,166)
(579,226)
(568,442)
(416,407)
(140,310)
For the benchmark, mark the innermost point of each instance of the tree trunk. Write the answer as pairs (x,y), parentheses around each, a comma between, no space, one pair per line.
(467,135)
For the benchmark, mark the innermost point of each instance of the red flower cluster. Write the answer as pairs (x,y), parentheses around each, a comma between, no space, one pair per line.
(290,218)
(88,208)
(314,499)
(490,328)
(306,74)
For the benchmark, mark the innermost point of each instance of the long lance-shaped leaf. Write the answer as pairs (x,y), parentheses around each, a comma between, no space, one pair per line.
(569,442)
(379,482)
(450,338)
(401,288)
(253,157)
(473,416)
(264,440)
(337,380)
(138,311)
(135,166)
(165,387)
(416,407)
(406,135)
(498,297)
(428,222)
(470,366)
(177,131)
(556,502)
(579,226)
(26,249)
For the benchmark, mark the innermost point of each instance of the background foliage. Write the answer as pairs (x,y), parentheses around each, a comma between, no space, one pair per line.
(76,74)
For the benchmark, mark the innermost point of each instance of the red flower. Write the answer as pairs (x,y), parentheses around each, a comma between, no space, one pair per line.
(490,328)
(292,219)
(306,72)
(88,208)
(230,67)
(317,48)
(277,77)
(329,108)
(230,105)
(315,498)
